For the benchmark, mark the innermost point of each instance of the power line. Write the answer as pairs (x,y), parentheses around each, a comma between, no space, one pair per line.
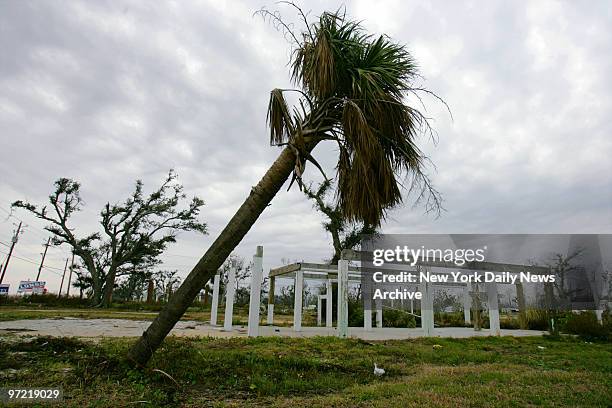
(35,263)
(10,252)
(180,256)
(40,231)
(32,261)
(43,257)
(59,294)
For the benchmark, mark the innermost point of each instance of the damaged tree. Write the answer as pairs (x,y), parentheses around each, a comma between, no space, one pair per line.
(134,234)
(353,89)
(345,234)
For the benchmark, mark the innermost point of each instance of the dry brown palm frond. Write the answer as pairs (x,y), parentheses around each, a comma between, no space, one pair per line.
(355,85)
(279,118)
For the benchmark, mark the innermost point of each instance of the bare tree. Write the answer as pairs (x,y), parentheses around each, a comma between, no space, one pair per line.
(165,281)
(134,233)
(563,266)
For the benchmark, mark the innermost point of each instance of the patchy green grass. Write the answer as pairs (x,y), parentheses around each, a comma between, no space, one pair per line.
(314,372)
(241,315)
(7,314)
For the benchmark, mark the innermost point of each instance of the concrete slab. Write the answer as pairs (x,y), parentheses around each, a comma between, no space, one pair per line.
(132,328)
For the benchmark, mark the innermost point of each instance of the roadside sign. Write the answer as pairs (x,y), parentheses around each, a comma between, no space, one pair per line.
(31,287)
(4,288)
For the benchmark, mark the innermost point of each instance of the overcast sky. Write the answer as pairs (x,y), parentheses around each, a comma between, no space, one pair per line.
(110,92)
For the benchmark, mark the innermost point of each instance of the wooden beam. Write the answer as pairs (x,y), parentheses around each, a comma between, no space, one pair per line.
(283,270)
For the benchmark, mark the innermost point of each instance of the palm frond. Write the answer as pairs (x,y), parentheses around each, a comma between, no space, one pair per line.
(279,118)
(355,85)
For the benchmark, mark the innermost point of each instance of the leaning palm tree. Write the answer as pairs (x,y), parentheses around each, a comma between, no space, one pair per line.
(352,89)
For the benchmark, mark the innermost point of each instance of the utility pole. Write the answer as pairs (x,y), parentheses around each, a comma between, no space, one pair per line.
(70,276)
(59,295)
(42,261)
(8,258)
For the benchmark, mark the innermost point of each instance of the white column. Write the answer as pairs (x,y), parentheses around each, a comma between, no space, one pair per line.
(493,309)
(601,305)
(329,309)
(319,313)
(427,318)
(599,315)
(467,304)
(230,292)
(379,313)
(255,299)
(367,320)
(270,314)
(297,306)
(215,301)
(343,298)
(367,307)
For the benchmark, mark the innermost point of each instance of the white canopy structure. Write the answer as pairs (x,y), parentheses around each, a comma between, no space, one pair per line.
(343,273)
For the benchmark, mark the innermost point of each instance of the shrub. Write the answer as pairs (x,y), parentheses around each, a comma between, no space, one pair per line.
(47,299)
(450,319)
(509,323)
(391,317)
(355,313)
(585,325)
(137,306)
(398,318)
(536,319)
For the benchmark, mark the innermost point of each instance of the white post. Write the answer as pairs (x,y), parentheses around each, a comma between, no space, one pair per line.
(599,314)
(427,318)
(215,301)
(270,314)
(297,306)
(601,305)
(255,299)
(366,294)
(343,298)
(493,309)
(379,314)
(319,313)
(367,320)
(467,304)
(329,310)
(230,291)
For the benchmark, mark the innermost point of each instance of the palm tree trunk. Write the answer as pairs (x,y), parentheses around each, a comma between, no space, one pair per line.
(230,237)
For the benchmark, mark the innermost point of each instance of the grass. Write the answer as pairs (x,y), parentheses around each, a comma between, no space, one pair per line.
(8,313)
(318,372)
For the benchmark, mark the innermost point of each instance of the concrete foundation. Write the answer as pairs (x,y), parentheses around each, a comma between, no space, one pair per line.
(134,328)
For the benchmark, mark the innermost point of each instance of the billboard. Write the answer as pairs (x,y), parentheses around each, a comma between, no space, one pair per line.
(4,288)
(31,287)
